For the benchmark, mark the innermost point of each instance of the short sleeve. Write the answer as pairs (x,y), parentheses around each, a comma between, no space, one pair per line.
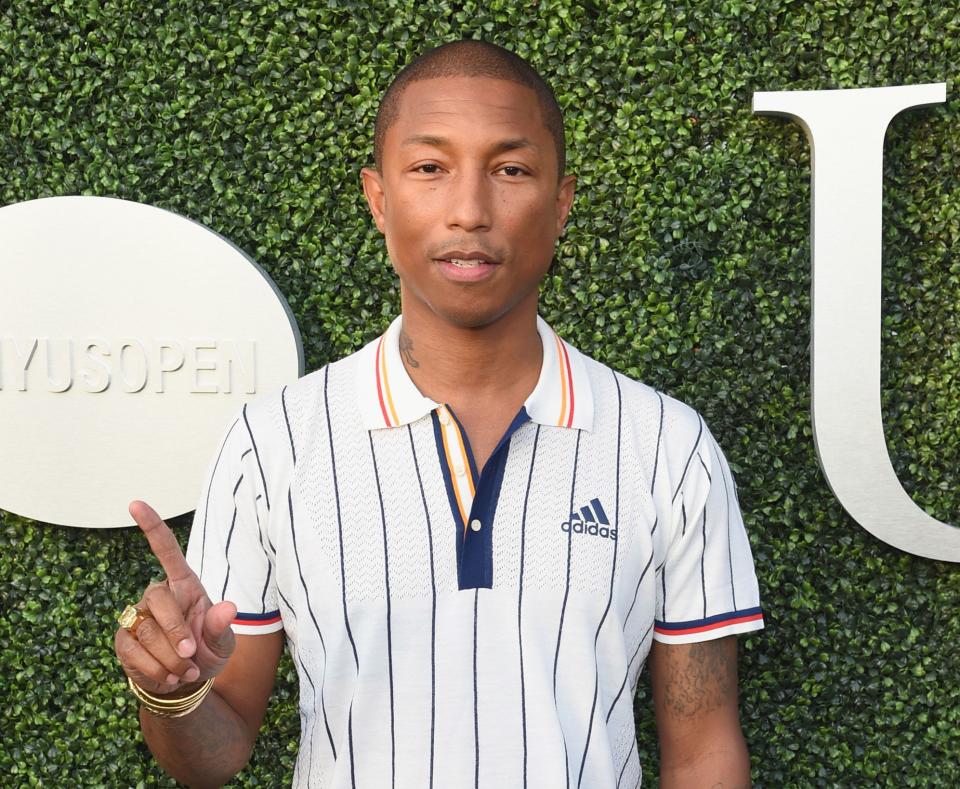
(708,586)
(229,547)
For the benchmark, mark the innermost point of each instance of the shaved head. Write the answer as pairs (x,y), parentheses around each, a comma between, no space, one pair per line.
(470,58)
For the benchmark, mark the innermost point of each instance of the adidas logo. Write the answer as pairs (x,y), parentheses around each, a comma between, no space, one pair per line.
(590,520)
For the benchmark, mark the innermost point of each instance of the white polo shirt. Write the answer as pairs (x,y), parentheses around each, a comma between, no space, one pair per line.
(453,628)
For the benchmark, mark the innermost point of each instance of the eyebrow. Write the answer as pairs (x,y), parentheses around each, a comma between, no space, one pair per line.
(503,146)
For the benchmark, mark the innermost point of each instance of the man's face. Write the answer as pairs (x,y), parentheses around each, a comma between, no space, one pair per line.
(468,199)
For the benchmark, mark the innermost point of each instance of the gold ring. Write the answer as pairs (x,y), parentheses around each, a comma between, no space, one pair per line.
(131,617)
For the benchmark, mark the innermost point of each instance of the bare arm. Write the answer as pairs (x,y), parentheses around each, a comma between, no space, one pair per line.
(184,641)
(212,744)
(698,720)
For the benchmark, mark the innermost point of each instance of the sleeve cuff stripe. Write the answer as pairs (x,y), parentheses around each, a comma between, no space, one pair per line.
(257,620)
(710,623)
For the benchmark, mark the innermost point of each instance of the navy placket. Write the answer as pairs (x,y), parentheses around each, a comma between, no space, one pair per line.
(475,537)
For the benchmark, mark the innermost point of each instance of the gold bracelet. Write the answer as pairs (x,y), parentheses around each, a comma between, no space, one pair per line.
(175,707)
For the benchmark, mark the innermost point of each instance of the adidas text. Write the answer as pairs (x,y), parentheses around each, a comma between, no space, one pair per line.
(593,529)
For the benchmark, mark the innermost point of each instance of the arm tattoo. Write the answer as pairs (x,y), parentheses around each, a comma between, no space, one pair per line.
(701,680)
(406,348)
(206,747)
(210,741)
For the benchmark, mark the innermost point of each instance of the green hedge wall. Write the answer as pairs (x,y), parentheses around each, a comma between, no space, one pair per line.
(686,264)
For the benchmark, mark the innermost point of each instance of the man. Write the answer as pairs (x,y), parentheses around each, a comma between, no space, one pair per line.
(470,534)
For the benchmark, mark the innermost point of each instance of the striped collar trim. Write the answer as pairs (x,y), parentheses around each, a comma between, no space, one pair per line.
(387,396)
(563,396)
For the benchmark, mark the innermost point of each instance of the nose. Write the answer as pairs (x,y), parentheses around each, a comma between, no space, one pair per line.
(469,202)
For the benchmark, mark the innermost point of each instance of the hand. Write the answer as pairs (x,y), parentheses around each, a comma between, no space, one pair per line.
(187,638)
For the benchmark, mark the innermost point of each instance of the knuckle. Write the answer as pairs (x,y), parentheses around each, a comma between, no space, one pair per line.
(147,633)
(175,634)
(157,674)
(127,651)
(153,592)
(157,644)
(171,621)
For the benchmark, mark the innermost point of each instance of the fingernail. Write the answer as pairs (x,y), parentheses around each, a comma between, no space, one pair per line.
(191,674)
(185,647)
(173,679)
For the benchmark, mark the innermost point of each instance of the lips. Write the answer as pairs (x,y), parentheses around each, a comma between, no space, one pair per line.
(466,260)
(464,266)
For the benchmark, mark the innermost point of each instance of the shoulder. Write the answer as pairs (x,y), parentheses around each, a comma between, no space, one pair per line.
(278,415)
(676,422)
(331,397)
(297,400)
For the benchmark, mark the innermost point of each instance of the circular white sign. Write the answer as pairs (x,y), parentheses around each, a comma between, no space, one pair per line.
(129,335)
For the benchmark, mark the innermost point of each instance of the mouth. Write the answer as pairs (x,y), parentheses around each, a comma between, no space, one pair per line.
(466,268)
(462,263)
(466,260)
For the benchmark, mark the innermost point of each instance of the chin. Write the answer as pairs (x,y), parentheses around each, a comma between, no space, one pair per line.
(470,310)
(469,318)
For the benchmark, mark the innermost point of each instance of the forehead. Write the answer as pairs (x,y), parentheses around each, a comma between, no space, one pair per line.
(477,106)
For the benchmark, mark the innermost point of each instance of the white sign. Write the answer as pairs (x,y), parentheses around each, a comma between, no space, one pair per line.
(128,336)
(846,130)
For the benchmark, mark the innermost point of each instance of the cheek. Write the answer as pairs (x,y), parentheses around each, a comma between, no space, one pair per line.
(404,222)
(533,224)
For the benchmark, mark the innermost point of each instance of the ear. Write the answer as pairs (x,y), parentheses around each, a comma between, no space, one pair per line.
(373,191)
(565,192)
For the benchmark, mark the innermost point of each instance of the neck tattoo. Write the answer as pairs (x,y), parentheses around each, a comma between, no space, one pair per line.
(406,348)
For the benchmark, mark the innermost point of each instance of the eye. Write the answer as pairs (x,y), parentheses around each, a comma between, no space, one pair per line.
(429,168)
(513,170)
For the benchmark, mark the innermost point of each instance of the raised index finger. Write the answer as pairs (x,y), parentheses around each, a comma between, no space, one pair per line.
(163,542)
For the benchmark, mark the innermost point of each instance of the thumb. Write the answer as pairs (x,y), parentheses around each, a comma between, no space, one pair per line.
(217,634)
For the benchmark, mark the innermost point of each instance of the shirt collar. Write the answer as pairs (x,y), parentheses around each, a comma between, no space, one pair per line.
(388,397)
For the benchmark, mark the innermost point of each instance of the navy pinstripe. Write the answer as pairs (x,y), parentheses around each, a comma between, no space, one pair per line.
(566,595)
(626,674)
(206,506)
(686,466)
(256,454)
(476,703)
(343,579)
(637,590)
(433,607)
(296,656)
(726,497)
(703,557)
(313,618)
(683,476)
(226,550)
(624,768)
(386,575)
(523,536)
(286,419)
(613,571)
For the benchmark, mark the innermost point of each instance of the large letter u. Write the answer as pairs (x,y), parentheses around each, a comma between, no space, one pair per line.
(846,130)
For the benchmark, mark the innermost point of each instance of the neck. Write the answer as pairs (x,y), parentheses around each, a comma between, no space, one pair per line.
(451,364)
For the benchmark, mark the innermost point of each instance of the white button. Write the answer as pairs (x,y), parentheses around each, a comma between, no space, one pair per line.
(444,417)
(459,470)
(475,524)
